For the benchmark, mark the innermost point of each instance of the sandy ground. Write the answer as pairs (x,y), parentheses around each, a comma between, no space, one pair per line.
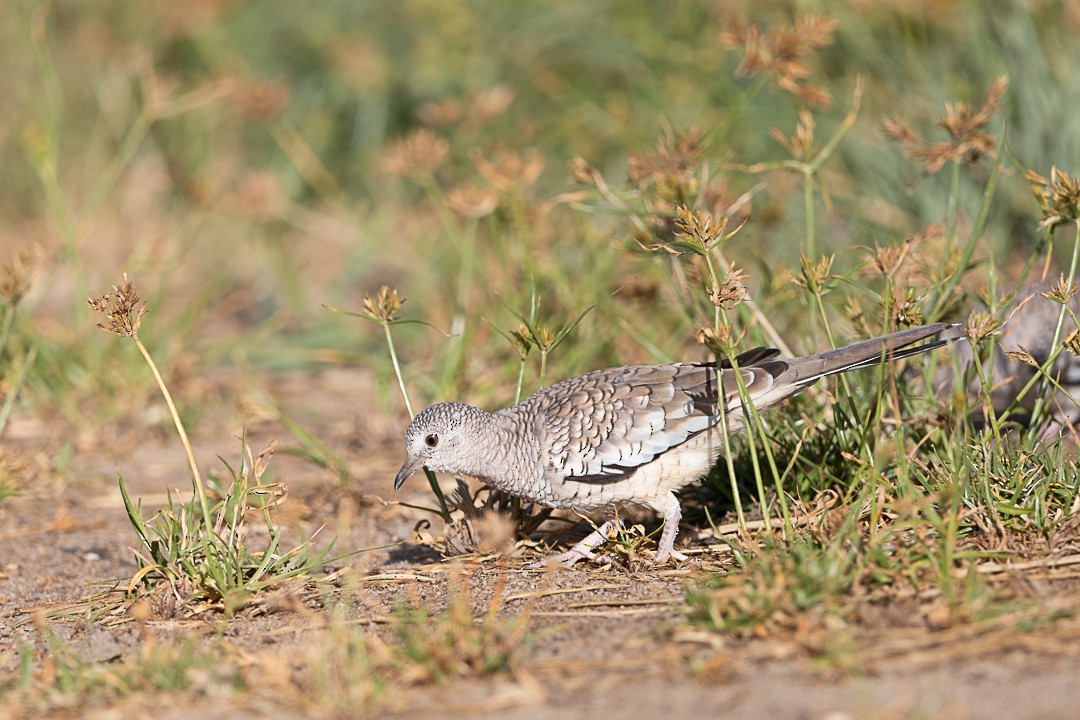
(602,641)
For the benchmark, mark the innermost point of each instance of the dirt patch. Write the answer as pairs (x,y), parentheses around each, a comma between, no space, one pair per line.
(598,640)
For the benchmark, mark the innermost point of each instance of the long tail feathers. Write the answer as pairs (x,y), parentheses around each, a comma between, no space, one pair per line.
(883,349)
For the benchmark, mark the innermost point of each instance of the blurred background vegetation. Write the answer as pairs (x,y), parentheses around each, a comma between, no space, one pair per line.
(248,162)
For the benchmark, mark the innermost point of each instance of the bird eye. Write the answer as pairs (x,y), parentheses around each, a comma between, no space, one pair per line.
(431,440)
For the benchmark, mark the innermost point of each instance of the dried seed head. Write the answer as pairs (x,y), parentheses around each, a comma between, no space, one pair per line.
(522,339)
(966,126)
(813,276)
(581,171)
(979,326)
(1061,291)
(18,274)
(907,310)
(417,155)
(122,308)
(471,201)
(1021,355)
(384,306)
(897,130)
(506,170)
(731,291)
(783,53)
(699,231)
(545,337)
(801,144)
(1058,197)
(672,167)
(719,340)
(1072,342)
(854,313)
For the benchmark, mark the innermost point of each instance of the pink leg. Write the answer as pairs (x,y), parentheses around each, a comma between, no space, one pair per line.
(665,549)
(584,550)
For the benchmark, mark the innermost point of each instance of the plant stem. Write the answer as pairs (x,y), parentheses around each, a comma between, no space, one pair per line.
(808,210)
(397,369)
(1055,350)
(432,480)
(196,476)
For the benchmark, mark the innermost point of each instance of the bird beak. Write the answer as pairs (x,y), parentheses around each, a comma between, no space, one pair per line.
(410,466)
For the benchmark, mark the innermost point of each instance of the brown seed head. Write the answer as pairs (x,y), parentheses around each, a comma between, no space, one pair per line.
(1021,355)
(966,126)
(471,201)
(544,337)
(1061,291)
(699,228)
(671,167)
(813,276)
(1058,197)
(887,260)
(719,340)
(783,53)
(522,339)
(581,171)
(384,306)
(907,309)
(801,144)
(854,313)
(506,170)
(731,291)
(417,155)
(122,308)
(980,325)
(1072,342)
(18,274)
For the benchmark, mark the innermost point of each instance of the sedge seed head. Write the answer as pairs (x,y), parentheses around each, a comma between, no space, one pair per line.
(471,201)
(672,167)
(783,53)
(980,325)
(719,340)
(1061,291)
(965,125)
(17,275)
(1072,342)
(508,170)
(418,155)
(1058,197)
(121,307)
(384,306)
(732,290)
(1021,355)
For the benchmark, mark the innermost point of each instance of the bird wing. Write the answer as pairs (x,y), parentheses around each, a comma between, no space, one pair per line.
(600,427)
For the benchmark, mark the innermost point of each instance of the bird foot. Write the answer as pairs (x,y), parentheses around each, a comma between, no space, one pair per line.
(584,550)
(675,555)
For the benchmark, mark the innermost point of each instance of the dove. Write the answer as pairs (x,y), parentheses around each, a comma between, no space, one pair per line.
(631,435)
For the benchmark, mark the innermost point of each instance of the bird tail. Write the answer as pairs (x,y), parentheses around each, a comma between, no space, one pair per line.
(874,352)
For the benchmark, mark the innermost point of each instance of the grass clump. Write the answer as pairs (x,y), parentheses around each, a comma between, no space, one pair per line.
(195,555)
(68,679)
(352,669)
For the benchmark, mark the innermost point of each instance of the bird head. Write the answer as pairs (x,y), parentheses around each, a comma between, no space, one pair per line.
(433,440)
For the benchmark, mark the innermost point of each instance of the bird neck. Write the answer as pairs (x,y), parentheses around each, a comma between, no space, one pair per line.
(495,456)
